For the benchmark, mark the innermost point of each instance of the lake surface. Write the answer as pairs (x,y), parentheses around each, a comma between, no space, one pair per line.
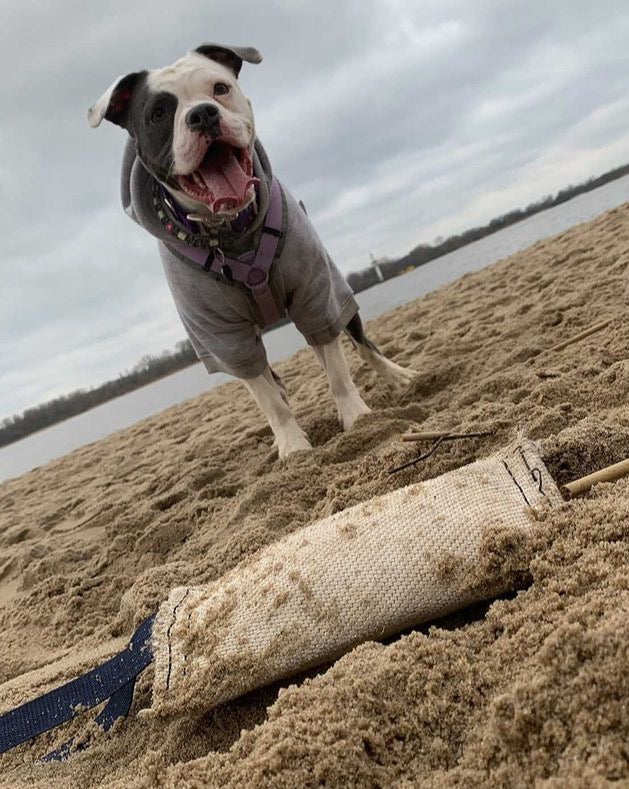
(93,425)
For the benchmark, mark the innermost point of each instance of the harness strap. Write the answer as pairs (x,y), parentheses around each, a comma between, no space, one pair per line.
(253,274)
(114,680)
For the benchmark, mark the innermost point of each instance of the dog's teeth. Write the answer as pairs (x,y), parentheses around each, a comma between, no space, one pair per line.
(198,180)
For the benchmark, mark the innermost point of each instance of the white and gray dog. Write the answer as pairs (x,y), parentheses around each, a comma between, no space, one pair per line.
(237,249)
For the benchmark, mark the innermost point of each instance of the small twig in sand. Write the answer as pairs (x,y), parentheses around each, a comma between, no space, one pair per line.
(416,460)
(445,434)
(88,519)
(609,474)
(581,336)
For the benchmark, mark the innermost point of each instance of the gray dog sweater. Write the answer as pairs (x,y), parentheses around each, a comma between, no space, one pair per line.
(221,318)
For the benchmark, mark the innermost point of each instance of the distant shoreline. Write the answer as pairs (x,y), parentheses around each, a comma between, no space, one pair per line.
(153,368)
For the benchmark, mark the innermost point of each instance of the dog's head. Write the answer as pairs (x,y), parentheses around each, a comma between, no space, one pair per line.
(192,125)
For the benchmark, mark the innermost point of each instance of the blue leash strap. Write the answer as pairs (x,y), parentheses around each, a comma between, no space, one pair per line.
(114,680)
(118,706)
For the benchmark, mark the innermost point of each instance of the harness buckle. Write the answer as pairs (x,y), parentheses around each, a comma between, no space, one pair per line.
(256,276)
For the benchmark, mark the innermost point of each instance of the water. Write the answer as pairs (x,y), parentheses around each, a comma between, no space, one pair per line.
(126,410)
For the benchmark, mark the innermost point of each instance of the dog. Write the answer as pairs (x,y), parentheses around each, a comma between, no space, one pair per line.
(238,251)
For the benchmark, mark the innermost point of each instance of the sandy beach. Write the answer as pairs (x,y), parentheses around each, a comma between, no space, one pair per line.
(531,689)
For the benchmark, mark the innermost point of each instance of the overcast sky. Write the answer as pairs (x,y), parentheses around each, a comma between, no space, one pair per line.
(395,120)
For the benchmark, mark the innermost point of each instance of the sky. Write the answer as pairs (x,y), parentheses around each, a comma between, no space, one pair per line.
(396,121)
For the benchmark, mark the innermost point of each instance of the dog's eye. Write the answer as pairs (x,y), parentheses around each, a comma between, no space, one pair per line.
(220,89)
(158,114)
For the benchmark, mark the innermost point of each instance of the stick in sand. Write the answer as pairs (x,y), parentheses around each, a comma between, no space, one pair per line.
(447,435)
(440,435)
(581,336)
(416,460)
(609,474)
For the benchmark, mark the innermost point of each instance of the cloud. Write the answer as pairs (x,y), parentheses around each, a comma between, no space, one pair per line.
(394,120)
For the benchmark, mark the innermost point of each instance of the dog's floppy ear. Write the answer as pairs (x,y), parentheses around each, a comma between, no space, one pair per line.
(232,57)
(113,105)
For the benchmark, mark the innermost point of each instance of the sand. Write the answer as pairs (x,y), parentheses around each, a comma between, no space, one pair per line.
(532,689)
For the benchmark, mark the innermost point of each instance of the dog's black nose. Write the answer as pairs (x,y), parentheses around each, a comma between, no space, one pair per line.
(203,118)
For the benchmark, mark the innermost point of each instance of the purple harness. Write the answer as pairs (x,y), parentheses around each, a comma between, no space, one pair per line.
(252,268)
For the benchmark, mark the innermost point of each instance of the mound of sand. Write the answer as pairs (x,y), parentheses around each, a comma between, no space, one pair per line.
(533,688)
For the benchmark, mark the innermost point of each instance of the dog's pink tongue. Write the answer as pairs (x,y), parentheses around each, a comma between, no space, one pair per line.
(225,178)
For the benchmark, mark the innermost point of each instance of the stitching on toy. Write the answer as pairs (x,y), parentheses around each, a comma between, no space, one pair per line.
(536,473)
(504,463)
(170,650)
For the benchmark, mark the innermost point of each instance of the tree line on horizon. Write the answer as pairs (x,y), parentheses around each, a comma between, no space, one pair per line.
(424,253)
(150,368)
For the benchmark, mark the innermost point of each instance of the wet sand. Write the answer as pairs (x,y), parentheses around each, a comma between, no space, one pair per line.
(532,689)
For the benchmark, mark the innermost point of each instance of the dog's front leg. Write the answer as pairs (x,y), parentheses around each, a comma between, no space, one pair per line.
(271,397)
(349,403)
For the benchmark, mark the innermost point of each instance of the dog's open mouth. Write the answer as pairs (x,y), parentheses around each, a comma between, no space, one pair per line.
(224,180)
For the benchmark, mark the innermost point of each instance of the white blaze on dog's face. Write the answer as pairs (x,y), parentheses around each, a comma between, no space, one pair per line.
(199,83)
(213,119)
(193,126)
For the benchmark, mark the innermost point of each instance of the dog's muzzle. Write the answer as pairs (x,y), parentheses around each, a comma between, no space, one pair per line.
(224,179)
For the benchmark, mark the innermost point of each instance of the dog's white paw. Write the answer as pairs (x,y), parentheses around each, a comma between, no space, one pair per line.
(402,377)
(350,409)
(291,440)
(398,376)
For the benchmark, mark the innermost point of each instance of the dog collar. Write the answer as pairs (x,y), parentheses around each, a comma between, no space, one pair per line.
(185,226)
